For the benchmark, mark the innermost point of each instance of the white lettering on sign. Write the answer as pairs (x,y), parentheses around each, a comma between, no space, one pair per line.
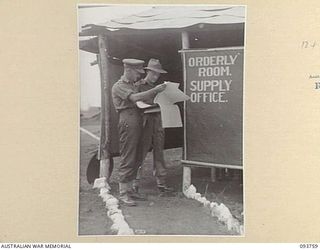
(214,71)
(208,97)
(210,85)
(211,77)
(205,61)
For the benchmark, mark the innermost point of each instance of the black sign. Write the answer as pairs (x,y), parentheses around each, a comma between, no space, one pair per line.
(214,114)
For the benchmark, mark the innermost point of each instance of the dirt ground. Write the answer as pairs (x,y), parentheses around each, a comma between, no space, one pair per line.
(174,215)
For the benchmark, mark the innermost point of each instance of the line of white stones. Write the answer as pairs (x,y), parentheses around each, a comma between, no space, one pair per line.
(120,226)
(221,211)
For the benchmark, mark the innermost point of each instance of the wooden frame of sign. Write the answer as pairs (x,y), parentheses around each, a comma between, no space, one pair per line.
(213,137)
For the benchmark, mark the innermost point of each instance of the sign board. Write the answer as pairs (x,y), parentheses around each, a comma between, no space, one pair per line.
(213,123)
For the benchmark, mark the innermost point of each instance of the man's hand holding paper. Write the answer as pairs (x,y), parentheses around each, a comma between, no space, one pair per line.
(159,88)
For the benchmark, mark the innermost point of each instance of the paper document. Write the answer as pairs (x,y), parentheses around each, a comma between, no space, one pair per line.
(143,105)
(148,108)
(152,110)
(170,113)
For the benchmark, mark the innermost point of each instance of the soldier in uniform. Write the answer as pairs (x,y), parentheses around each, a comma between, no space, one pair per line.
(153,132)
(125,95)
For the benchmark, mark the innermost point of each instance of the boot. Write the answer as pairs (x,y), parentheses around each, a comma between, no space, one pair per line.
(165,191)
(164,188)
(124,197)
(134,192)
(137,196)
(135,185)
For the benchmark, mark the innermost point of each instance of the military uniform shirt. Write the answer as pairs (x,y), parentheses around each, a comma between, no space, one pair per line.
(121,91)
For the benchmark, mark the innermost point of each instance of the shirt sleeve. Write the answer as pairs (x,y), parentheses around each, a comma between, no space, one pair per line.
(122,92)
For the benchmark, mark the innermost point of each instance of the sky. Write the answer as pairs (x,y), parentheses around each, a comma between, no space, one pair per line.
(90,75)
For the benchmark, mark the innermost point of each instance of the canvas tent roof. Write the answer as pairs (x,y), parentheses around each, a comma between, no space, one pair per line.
(171,17)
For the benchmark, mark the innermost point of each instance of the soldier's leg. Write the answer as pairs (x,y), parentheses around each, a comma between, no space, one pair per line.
(129,134)
(158,154)
(143,148)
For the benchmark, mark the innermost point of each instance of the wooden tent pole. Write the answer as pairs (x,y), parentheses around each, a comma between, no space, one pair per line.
(185,40)
(186,170)
(105,157)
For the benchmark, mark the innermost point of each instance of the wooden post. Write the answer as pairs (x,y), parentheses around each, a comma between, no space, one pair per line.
(105,157)
(185,40)
(213,174)
(186,170)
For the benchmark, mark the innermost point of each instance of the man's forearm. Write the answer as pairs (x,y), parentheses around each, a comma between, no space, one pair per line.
(145,95)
